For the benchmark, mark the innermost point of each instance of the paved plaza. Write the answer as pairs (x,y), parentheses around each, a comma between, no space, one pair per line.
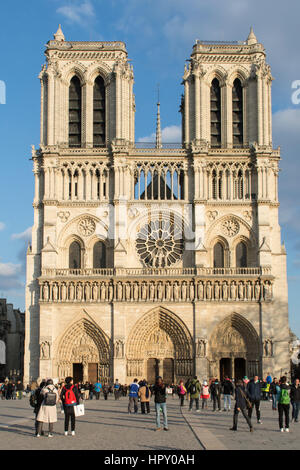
(108,426)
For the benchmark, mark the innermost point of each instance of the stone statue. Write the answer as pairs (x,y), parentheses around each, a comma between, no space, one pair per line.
(87,289)
(71,291)
(200,290)
(183,291)
(225,291)
(55,292)
(176,291)
(95,292)
(45,350)
(208,290)
(63,292)
(217,291)
(192,291)
(46,292)
(110,292)
(103,292)
(249,291)
(79,292)
(168,291)
(128,291)
(151,296)
(144,291)
(241,291)
(160,291)
(120,291)
(233,291)
(257,291)
(136,292)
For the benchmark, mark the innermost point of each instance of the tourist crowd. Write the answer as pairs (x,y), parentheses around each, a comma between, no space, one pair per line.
(248,395)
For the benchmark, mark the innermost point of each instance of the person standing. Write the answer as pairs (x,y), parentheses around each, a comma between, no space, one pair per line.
(205,394)
(181,392)
(36,401)
(70,397)
(254,393)
(145,394)
(47,412)
(241,401)
(105,390)
(117,389)
(97,389)
(194,390)
(86,388)
(295,399)
(228,390)
(275,393)
(20,389)
(216,390)
(160,398)
(133,396)
(284,405)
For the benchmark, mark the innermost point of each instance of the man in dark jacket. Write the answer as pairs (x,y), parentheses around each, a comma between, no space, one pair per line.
(159,391)
(228,390)
(254,393)
(69,389)
(295,399)
(240,405)
(194,391)
(216,390)
(37,400)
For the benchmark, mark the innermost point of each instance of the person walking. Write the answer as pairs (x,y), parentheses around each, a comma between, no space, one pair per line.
(275,393)
(117,389)
(241,403)
(105,390)
(194,390)
(228,390)
(70,397)
(254,393)
(160,398)
(284,405)
(145,394)
(19,389)
(97,389)
(86,388)
(133,396)
(216,390)
(295,400)
(47,412)
(205,394)
(181,392)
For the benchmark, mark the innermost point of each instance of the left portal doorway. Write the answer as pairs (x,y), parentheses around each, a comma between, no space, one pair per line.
(77,373)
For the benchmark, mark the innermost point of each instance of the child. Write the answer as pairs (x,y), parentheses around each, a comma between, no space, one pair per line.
(204,394)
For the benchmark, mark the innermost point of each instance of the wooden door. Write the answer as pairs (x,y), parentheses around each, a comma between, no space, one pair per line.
(93,373)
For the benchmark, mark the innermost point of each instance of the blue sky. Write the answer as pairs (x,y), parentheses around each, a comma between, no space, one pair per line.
(159,35)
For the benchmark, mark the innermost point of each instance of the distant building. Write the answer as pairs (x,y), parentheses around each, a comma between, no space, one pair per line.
(156,260)
(12,335)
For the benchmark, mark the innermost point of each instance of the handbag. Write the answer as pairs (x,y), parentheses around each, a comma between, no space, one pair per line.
(79,410)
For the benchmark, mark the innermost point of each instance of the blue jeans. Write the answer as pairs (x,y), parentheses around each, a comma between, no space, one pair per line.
(227,402)
(296,407)
(162,406)
(275,399)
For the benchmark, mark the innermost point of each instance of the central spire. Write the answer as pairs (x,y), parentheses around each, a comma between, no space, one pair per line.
(158,126)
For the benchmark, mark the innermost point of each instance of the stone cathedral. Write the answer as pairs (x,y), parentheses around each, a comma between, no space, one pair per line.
(155,259)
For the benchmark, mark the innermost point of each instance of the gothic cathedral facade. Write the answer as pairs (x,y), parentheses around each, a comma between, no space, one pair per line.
(155,259)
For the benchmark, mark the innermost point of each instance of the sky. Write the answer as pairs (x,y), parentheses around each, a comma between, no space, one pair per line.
(159,35)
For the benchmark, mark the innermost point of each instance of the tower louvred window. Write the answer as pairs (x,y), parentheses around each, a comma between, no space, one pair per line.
(75,113)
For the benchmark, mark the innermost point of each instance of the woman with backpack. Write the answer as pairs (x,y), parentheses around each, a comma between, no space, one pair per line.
(284,404)
(47,412)
(70,397)
(144,394)
(205,394)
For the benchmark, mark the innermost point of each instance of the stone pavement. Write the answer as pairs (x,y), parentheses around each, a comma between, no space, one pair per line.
(213,429)
(107,426)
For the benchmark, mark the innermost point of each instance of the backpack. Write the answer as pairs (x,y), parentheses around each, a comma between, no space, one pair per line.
(284,397)
(193,388)
(147,392)
(70,398)
(33,400)
(50,398)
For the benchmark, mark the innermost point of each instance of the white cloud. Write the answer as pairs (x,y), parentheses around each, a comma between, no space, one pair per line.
(169,134)
(2,226)
(78,13)
(9,269)
(26,235)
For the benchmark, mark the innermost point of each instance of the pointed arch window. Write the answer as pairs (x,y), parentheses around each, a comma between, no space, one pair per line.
(237,113)
(75,256)
(99,255)
(99,113)
(219,261)
(215,113)
(75,110)
(241,255)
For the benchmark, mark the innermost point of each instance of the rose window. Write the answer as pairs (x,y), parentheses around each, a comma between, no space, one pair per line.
(160,243)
